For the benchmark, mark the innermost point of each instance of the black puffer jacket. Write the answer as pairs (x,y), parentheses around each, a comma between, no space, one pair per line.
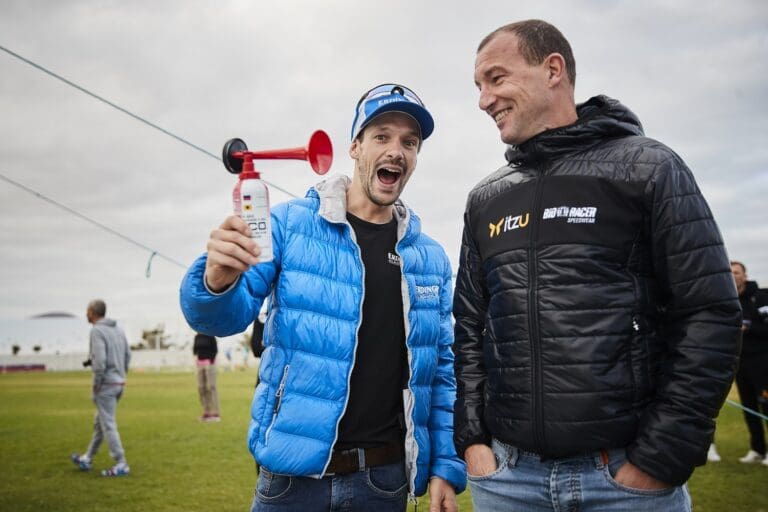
(594,302)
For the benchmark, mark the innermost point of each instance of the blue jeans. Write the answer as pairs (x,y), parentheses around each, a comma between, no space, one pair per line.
(376,489)
(522,482)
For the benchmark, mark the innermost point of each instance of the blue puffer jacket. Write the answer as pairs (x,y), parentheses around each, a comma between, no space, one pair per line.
(316,288)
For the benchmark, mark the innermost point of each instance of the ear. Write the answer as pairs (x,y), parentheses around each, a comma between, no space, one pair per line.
(354,149)
(555,66)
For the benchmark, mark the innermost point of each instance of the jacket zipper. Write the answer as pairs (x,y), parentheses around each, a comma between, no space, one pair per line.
(537,413)
(278,401)
(410,459)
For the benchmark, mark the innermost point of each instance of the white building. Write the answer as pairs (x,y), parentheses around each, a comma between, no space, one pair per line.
(50,333)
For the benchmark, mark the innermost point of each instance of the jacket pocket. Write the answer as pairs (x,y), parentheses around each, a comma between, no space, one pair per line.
(641,371)
(278,402)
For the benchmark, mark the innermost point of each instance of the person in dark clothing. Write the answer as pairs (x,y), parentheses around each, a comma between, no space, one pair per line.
(597,323)
(257,338)
(205,349)
(752,376)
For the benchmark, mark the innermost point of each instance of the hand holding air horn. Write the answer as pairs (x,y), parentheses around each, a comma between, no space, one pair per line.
(250,197)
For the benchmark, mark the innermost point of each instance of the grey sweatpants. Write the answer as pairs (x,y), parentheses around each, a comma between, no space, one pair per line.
(104,423)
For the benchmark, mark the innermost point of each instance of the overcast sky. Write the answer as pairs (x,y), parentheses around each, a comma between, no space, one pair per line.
(272,72)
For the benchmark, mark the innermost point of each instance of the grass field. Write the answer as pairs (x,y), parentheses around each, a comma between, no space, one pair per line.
(180,464)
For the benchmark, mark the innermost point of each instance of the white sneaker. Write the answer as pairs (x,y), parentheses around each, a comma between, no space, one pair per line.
(752,457)
(119,469)
(712,455)
(765,462)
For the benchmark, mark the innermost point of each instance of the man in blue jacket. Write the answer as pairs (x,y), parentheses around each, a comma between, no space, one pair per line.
(354,406)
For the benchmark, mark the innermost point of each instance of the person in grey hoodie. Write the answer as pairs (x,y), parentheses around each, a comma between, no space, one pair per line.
(109,356)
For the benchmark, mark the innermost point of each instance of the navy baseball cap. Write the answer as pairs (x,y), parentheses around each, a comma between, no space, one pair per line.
(391,98)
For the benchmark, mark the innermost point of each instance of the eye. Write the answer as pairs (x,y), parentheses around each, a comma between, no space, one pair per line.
(496,79)
(412,143)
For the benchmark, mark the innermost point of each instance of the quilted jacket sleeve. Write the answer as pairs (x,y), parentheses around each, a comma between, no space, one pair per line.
(701,327)
(445,463)
(232,311)
(469,308)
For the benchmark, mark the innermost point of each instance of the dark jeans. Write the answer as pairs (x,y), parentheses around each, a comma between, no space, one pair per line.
(380,488)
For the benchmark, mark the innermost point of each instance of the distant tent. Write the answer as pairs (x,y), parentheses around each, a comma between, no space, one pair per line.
(54,332)
(54,314)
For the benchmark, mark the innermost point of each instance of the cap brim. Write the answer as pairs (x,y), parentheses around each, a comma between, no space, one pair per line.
(419,113)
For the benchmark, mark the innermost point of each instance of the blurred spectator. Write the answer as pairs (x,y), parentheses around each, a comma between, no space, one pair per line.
(109,356)
(205,349)
(257,337)
(752,376)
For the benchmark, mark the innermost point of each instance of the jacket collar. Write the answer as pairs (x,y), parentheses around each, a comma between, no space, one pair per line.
(599,118)
(332,193)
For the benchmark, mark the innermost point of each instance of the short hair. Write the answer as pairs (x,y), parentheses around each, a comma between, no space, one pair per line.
(743,268)
(536,40)
(98,308)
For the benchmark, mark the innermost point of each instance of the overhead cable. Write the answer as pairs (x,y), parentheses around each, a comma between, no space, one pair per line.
(94,222)
(127,112)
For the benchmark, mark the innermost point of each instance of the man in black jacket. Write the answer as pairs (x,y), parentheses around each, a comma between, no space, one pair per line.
(752,377)
(596,318)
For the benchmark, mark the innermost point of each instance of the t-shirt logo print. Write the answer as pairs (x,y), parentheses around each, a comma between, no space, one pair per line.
(393,259)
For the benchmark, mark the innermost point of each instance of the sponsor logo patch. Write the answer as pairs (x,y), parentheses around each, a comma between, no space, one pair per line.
(508,223)
(427,292)
(572,214)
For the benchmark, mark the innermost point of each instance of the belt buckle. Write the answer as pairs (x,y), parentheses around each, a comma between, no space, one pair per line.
(348,460)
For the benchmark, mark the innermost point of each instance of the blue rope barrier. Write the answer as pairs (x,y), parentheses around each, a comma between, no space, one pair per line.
(747,409)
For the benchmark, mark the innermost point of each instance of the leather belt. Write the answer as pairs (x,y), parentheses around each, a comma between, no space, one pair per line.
(348,461)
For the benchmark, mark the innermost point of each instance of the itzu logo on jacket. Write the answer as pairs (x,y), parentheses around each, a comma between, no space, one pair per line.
(508,223)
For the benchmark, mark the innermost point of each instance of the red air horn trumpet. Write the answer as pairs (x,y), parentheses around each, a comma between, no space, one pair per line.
(250,197)
(319,153)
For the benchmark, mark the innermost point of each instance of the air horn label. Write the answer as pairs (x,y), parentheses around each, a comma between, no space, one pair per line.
(251,203)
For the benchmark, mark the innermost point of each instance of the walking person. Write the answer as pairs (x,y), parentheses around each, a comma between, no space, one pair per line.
(109,356)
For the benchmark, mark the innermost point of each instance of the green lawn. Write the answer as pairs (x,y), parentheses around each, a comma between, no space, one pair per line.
(180,464)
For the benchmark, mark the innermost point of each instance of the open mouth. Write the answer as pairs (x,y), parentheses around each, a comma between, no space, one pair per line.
(388,176)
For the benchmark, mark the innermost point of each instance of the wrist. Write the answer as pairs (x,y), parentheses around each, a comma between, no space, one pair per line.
(217,288)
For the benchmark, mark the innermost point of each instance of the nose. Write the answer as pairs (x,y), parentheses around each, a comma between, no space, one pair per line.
(486,99)
(395,151)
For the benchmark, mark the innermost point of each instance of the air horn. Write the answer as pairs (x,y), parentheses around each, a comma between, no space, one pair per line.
(318,152)
(250,197)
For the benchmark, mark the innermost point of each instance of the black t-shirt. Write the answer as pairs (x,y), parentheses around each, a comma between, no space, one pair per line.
(375,409)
